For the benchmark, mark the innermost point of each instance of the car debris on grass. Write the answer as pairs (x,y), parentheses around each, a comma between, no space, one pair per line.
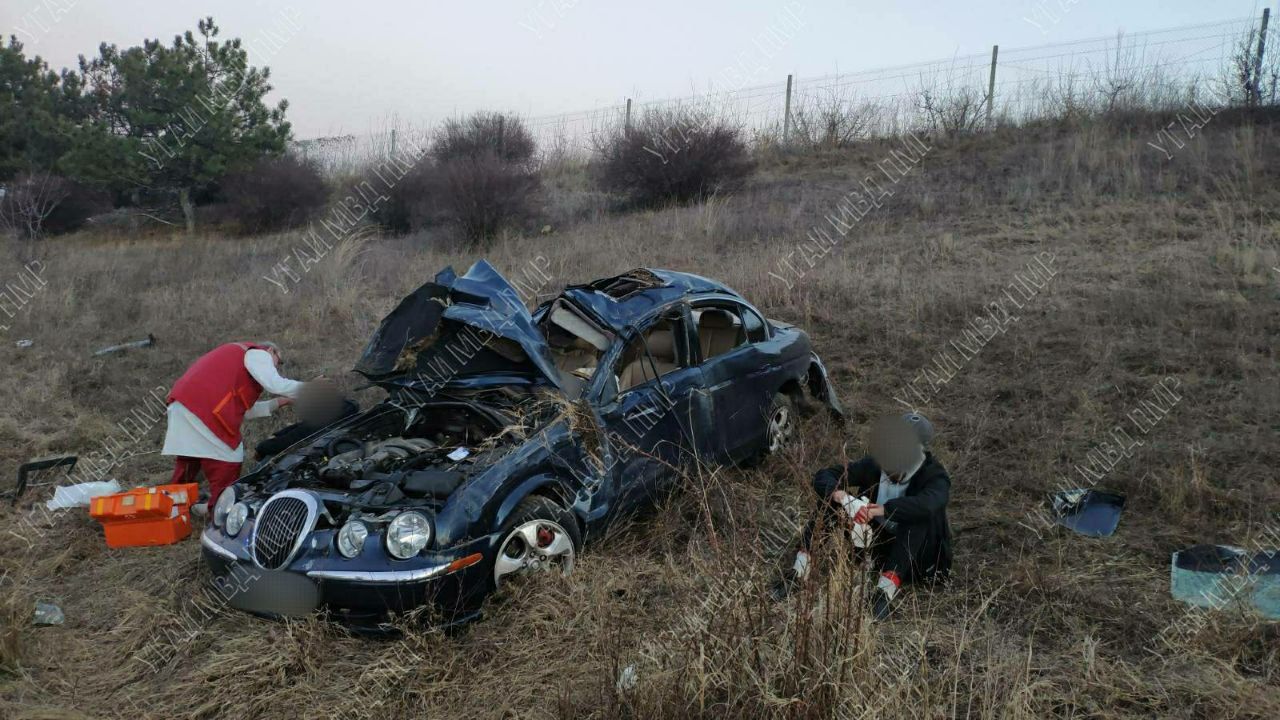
(1093,513)
(148,341)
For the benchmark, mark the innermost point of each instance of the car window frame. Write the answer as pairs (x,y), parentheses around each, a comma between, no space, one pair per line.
(676,313)
(730,305)
(743,309)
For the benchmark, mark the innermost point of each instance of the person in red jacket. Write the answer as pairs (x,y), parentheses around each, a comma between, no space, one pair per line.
(211,400)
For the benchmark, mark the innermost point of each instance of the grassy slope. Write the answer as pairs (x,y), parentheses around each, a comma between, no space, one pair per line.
(1163,269)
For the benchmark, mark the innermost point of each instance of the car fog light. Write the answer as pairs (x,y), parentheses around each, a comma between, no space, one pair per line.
(236,517)
(220,509)
(351,538)
(408,534)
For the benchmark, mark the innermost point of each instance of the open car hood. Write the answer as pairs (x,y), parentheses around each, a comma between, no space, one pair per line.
(458,327)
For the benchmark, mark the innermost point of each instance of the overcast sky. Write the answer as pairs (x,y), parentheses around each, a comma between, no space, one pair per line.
(354,67)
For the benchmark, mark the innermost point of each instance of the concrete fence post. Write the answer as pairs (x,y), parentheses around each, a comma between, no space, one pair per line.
(991,88)
(786,115)
(1257,60)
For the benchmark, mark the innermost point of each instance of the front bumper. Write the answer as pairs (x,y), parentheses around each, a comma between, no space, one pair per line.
(359,592)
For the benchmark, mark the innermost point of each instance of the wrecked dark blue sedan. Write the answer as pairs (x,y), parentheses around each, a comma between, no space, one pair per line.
(508,438)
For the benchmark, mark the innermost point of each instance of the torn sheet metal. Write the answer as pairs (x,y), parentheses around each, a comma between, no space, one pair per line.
(413,340)
(1221,576)
(1093,513)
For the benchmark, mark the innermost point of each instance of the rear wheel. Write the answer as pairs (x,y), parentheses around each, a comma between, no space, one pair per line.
(540,536)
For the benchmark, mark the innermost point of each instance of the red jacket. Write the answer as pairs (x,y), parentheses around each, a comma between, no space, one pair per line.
(219,390)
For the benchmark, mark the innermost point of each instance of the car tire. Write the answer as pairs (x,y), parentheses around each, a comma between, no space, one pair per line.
(780,424)
(539,534)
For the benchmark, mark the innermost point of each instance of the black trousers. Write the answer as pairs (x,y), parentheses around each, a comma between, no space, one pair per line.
(912,551)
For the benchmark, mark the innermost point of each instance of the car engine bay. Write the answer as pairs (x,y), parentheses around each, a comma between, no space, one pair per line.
(402,453)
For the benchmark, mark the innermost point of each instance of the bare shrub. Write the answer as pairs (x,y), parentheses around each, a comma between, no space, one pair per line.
(954,109)
(1065,99)
(1248,82)
(832,121)
(274,194)
(81,203)
(480,195)
(677,155)
(1118,86)
(29,201)
(484,133)
(480,177)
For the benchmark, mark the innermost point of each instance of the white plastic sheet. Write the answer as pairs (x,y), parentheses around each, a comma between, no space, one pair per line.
(70,496)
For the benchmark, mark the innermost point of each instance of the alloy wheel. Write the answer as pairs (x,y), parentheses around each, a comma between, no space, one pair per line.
(537,545)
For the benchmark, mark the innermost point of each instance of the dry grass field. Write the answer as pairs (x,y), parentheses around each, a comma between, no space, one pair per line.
(1162,268)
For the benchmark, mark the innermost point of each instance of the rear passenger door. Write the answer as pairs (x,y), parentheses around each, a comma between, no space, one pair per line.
(739,376)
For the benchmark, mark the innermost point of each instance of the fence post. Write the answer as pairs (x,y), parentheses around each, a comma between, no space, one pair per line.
(393,142)
(626,124)
(1257,60)
(786,115)
(991,88)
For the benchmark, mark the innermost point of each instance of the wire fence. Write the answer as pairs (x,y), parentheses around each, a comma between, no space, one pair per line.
(1160,69)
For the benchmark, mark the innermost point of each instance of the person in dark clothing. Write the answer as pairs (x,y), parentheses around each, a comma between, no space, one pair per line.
(900,492)
(318,406)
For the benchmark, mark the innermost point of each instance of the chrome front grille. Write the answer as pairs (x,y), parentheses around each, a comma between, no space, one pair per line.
(283,524)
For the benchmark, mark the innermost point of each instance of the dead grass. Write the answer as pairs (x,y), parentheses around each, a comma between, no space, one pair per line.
(1164,269)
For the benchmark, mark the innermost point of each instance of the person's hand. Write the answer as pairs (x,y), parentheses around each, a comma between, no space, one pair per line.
(867,512)
(283,401)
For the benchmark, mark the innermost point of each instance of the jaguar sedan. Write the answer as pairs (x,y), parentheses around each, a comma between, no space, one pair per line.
(506,440)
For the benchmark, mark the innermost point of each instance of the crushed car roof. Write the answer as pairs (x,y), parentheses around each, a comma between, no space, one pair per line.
(623,300)
(424,342)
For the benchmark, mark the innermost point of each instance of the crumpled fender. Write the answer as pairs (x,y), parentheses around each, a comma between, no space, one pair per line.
(485,500)
(820,386)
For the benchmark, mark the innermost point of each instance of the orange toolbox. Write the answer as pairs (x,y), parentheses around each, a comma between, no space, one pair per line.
(145,516)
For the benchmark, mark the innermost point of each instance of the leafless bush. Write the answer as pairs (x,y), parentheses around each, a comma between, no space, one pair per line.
(481,195)
(480,177)
(677,155)
(274,194)
(1066,99)
(832,121)
(29,201)
(502,136)
(1248,82)
(954,109)
(1119,84)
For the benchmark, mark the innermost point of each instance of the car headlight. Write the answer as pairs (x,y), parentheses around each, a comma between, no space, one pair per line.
(236,517)
(408,534)
(223,506)
(351,538)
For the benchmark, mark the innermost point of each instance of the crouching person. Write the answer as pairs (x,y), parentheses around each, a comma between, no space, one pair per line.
(899,493)
(210,402)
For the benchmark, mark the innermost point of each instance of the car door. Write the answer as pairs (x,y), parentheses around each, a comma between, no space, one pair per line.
(740,377)
(648,425)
